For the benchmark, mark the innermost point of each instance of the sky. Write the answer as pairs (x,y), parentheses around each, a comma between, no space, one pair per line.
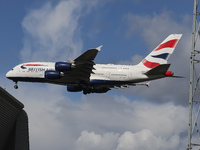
(153,118)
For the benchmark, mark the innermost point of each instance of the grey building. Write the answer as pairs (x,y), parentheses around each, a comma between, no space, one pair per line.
(14,134)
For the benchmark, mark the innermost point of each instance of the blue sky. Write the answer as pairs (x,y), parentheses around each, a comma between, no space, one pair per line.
(134,118)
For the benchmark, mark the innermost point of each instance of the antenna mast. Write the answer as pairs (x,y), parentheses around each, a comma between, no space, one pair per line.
(194,102)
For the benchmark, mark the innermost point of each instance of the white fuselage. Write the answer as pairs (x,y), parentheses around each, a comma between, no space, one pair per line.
(34,72)
(117,72)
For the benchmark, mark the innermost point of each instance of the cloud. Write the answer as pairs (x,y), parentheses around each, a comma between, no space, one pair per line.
(100,121)
(146,140)
(157,25)
(91,140)
(52,32)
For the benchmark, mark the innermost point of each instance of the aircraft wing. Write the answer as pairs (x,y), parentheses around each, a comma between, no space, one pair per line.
(83,66)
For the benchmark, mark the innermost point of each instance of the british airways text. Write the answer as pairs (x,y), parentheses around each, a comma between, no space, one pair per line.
(38,69)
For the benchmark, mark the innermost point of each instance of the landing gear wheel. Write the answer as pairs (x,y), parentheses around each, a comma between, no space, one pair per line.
(16,87)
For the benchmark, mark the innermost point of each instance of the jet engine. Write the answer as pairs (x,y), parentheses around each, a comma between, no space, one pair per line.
(62,66)
(51,74)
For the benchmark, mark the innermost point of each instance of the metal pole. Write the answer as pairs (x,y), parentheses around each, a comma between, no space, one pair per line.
(191,77)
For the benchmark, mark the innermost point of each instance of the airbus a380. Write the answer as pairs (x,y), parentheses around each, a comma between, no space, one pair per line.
(82,74)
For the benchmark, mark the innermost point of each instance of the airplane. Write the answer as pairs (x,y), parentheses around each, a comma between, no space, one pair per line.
(82,74)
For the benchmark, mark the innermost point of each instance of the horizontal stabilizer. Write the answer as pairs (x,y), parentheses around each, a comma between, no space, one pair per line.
(160,69)
(176,76)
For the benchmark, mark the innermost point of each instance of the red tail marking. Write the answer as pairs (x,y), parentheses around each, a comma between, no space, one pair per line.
(169,44)
(149,64)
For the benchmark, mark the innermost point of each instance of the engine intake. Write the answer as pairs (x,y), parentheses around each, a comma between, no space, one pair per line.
(62,66)
(51,74)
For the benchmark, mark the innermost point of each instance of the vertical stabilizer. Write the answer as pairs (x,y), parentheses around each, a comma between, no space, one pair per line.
(162,52)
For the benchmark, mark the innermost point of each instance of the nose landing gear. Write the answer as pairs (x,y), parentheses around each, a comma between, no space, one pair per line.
(16,86)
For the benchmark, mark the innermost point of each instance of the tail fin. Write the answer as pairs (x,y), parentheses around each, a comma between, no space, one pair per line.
(161,53)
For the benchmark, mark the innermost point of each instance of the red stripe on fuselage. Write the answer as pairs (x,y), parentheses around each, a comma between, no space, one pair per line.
(32,65)
(168,44)
(149,64)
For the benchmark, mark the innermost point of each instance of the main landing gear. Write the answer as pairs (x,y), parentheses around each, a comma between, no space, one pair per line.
(16,86)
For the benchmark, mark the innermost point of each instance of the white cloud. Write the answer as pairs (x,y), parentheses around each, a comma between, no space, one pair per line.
(131,125)
(99,121)
(91,140)
(52,32)
(158,25)
(145,140)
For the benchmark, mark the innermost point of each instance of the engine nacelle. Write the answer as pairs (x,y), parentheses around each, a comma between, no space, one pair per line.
(74,88)
(51,74)
(62,66)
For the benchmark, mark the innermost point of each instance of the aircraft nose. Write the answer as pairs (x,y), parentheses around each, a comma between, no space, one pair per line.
(9,74)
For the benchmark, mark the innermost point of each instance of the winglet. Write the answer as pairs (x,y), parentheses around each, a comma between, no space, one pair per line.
(99,48)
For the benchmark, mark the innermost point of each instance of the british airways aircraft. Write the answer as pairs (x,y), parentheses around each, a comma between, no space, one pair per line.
(82,74)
